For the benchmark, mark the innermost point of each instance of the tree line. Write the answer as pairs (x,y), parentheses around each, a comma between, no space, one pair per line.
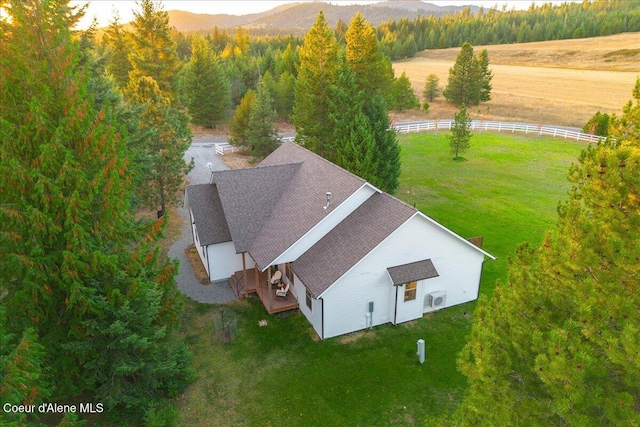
(405,37)
(89,305)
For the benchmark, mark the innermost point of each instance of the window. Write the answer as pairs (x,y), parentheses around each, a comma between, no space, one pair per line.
(308,299)
(410,291)
(289,272)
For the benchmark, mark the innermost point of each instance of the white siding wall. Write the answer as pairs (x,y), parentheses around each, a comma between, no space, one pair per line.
(196,242)
(223,260)
(327,224)
(313,315)
(458,264)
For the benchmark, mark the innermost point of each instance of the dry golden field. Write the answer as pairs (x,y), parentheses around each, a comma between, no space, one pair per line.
(560,82)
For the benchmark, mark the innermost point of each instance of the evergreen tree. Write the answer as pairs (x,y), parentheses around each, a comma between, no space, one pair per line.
(485,76)
(357,152)
(118,42)
(460,133)
(465,85)
(205,86)
(288,61)
(262,132)
(597,125)
(404,97)
(372,68)
(352,145)
(387,148)
(345,105)
(167,137)
(22,372)
(151,85)
(316,72)
(557,344)
(284,95)
(431,88)
(240,122)
(68,238)
(154,53)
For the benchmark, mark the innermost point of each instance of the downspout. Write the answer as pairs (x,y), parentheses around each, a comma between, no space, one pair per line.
(322,317)
(395,308)
(193,231)
(480,277)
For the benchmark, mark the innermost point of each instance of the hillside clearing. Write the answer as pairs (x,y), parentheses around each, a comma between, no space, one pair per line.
(561,82)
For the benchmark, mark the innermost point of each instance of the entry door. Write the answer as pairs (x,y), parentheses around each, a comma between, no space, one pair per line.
(409,301)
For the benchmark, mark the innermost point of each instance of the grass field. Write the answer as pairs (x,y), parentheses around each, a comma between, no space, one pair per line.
(506,190)
(562,82)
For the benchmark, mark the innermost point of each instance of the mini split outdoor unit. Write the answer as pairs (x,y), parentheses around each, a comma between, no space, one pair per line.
(435,299)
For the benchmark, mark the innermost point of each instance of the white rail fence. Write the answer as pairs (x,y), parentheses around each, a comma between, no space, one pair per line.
(222,147)
(434,125)
(499,127)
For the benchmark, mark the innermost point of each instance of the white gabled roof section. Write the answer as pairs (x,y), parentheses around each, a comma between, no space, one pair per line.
(361,259)
(390,236)
(462,239)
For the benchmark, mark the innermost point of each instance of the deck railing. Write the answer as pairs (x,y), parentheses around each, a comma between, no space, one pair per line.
(526,128)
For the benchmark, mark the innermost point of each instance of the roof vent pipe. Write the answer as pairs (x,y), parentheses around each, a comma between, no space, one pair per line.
(328,200)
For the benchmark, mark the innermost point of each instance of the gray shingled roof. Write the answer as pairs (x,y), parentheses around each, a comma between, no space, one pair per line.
(301,204)
(208,214)
(249,196)
(350,241)
(406,273)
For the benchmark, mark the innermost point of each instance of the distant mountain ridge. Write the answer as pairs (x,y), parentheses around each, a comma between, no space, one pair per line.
(298,17)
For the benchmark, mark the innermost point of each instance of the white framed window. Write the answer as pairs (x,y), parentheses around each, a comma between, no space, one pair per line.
(410,290)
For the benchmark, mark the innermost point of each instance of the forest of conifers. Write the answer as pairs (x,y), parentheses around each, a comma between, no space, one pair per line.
(405,37)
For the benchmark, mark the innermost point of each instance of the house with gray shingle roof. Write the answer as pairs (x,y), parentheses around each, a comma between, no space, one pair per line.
(349,255)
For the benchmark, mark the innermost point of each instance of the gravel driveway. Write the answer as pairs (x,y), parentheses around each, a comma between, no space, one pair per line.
(202,151)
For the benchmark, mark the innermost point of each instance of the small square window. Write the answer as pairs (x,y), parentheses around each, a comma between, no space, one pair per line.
(410,291)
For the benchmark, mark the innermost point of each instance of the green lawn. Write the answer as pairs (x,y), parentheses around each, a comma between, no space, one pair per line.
(506,190)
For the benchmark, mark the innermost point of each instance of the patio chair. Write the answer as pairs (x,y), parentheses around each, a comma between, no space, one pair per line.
(277,278)
(282,293)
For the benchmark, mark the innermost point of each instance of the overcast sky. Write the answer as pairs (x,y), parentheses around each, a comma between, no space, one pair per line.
(103,10)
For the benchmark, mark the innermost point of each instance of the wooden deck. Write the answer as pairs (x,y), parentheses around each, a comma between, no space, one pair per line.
(275,305)
(238,283)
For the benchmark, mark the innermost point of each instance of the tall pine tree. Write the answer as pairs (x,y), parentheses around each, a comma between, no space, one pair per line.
(460,133)
(404,97)
(468,82)
(262,132)
(205,86)
(240,122)
(316,72)
(558,343)
(154,53)
(166,138)
(68,240)
(485,76)
(372,68)
(152,84)
(119,47)
(387,176)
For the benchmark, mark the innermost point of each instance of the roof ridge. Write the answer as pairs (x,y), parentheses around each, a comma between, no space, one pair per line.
(293,144)
(398,200)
